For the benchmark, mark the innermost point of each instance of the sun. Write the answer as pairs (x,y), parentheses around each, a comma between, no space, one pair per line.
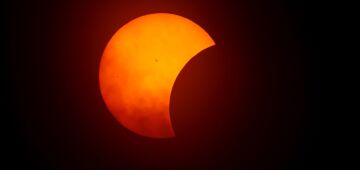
(139,66)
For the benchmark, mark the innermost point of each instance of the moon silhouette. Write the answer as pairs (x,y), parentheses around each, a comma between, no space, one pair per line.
(139,67)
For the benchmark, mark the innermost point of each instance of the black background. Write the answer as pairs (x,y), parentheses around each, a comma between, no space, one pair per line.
(249,102)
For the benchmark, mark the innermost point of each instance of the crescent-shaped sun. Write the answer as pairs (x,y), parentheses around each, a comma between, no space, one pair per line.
(139,67)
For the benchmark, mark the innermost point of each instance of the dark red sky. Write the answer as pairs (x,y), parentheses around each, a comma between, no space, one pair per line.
(249,102)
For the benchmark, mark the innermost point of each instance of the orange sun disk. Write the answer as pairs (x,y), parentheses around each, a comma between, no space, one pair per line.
(139,67)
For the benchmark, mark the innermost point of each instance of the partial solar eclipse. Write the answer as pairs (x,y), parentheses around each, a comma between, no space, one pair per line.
(139,66)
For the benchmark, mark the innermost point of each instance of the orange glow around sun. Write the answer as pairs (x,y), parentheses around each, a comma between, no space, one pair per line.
(139,67)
